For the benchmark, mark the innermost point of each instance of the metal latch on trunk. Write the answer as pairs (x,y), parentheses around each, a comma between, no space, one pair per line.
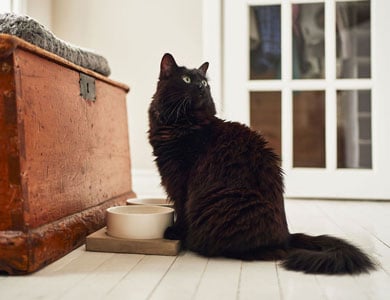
(87,87)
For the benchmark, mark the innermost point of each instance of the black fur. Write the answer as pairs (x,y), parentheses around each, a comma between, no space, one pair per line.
(226,184)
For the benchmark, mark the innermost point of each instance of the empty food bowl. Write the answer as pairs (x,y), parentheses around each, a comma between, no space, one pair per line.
(138,221)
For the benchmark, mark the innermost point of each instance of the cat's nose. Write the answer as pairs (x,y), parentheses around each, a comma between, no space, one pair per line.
(201,89)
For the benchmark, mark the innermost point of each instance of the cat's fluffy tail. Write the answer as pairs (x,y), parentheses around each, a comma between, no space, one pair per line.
(325,255)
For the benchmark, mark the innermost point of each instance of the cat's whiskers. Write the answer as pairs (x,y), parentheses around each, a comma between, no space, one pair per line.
(182,108)
(186,106)
(176,108)
(170,108)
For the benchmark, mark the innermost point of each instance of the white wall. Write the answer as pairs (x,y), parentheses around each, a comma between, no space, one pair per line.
(133,35)
(40,10)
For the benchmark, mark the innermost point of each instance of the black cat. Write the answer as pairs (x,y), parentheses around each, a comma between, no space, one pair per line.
(226,184)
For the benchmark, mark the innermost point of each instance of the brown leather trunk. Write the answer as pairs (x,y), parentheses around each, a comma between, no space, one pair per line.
(64,154)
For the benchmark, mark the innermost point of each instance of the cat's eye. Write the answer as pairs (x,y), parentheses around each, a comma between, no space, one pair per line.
(186,79)
(204,82)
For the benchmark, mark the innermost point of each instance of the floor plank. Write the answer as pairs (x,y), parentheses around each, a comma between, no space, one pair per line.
(341,288)
(358,227)
(142,279)
(331,217)
(220,280)
(259,280)
(104,278)
(183,278)
(53,282)
(88,275)
(375,285)
(295,285)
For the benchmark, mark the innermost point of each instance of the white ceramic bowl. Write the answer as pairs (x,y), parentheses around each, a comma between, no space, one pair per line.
(150,201)
(138,221)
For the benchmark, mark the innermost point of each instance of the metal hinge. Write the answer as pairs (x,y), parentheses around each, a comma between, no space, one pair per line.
(87,87)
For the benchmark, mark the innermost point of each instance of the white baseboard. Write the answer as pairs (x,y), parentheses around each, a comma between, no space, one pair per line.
(146,183)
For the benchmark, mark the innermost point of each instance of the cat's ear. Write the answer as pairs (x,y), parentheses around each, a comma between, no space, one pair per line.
(203,68)
(168,65)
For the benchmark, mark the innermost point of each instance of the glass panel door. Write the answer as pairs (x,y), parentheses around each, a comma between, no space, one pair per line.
(265,42)
(308,38)
(307,75)
(265,117)
(309,129)
(265,64)
(354,129)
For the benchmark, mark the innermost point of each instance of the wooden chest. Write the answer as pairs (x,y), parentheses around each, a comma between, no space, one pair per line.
(64,154)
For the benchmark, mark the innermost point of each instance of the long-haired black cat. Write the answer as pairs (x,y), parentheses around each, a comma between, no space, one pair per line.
(226,184)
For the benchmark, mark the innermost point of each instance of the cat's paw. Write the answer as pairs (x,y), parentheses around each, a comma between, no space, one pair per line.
(174,233)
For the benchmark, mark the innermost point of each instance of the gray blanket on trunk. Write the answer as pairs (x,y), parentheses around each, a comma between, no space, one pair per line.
(31,31)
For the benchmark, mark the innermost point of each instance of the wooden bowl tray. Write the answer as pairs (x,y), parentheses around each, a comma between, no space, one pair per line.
(100,241)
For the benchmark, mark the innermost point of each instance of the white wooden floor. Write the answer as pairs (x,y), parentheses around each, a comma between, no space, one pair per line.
(88,275)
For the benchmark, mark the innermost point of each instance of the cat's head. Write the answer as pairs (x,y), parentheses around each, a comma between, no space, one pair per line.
(183,95)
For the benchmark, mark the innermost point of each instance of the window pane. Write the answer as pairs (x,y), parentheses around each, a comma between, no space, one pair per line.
(265,42)
(353,41)
(354,129)
(308,40)
(309,129)
(265,117)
